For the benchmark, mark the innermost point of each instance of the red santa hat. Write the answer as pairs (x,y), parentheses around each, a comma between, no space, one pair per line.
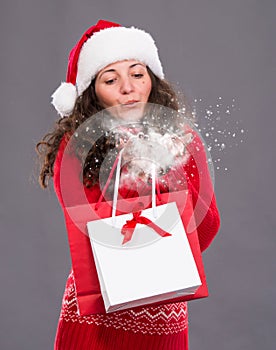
(102,44)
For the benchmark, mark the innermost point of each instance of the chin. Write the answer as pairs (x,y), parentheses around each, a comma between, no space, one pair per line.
(129,112)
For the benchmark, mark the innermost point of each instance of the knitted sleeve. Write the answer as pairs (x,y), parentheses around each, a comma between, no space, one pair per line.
(200,184)
(57,167)
(68,185)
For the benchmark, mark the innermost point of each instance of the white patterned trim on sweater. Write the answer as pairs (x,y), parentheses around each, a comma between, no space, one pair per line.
(162,320)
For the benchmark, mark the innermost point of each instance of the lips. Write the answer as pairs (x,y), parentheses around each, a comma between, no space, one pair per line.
(130,102)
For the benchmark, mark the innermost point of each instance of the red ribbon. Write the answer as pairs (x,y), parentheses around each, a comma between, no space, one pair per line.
(129,226)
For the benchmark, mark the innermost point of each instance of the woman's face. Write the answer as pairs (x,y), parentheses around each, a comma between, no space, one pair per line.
(123,84)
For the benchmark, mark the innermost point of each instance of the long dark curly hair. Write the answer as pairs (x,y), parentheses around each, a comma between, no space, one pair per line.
(87,105)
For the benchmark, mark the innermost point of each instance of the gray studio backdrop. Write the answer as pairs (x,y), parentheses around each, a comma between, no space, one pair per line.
(210,49)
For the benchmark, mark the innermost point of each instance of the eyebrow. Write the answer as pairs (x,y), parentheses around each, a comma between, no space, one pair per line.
(114,70)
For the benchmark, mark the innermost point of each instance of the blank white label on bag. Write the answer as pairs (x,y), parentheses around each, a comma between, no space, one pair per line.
(149,268)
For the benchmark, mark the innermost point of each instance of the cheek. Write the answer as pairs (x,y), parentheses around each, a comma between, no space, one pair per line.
(104,96)
(147,87)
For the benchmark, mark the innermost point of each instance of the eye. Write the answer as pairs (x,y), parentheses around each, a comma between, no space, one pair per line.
(138,75)
(110,81)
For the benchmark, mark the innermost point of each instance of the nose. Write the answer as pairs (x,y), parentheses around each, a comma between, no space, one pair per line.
(126,86)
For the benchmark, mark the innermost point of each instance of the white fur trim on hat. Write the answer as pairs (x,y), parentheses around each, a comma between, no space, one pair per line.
(116,44)
(64,99)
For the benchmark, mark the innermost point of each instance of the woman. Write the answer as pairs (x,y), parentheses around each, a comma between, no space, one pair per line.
(113,66)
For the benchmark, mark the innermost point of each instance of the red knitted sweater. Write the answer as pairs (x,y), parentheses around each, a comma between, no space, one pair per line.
(161,327)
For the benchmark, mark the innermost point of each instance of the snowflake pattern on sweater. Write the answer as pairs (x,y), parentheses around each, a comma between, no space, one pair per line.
(160,320)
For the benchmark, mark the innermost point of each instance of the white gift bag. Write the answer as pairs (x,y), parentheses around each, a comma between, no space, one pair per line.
(151,266)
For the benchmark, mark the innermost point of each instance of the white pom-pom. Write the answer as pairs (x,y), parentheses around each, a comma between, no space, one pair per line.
(64,99)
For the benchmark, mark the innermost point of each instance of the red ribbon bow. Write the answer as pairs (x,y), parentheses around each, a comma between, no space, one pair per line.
(129,226)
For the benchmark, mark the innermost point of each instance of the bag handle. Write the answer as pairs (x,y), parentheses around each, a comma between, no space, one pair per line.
(107,183)
(116,189)
(117,166)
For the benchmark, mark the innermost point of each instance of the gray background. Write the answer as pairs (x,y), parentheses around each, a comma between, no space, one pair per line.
(210,48)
